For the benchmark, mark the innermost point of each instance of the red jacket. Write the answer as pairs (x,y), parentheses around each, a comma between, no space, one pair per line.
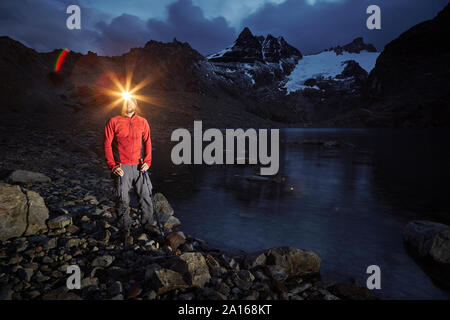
(125,136)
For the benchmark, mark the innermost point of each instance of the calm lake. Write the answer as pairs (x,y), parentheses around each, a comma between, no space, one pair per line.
(348,203)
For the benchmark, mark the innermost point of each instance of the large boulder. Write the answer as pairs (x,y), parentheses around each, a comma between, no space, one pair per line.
(21,212)
(164,212)
(24,176)
(294,261)
(161,205)
(429,243)
(37,213)
(164,280)
(193,267)
(285,262)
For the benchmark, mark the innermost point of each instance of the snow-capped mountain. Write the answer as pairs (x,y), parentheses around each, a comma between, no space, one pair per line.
(256,60)
(249,48)
(270,72)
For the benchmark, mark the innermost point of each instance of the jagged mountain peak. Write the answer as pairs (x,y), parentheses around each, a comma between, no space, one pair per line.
(249,48)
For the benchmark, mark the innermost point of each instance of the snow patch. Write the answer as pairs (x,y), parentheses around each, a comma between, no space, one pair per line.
(327,65)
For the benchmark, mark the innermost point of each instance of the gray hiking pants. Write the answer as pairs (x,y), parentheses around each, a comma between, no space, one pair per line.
(140,182)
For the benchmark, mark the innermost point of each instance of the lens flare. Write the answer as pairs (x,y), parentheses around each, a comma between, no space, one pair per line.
(123,90)
(62,55)
(126,95)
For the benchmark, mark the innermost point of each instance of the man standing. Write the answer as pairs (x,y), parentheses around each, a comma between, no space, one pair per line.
(126,136)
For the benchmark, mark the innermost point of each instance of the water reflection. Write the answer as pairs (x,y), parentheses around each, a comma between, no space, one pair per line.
(347,203)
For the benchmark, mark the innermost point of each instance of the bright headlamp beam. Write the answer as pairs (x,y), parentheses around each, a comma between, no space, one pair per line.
(126,95)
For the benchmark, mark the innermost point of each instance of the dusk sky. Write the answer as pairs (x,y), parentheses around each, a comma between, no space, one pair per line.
(113,27)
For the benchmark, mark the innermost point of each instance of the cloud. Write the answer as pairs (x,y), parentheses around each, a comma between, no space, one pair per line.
(312,26)
(186,22)
(42,25)
(121,34)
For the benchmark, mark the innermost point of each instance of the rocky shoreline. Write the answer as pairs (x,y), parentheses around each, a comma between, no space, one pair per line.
(64,215)
(172,267)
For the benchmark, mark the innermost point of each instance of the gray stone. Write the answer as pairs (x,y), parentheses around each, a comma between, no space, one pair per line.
(60,222)
(13,212)
(429,239)
(23,176)
(25,274)
(74,242)
(164,280)
(192,265)
(161,205)
(37,213)
(212,294)
(294,261)
(6,294)
(241,283)
(430,242)
(103,261)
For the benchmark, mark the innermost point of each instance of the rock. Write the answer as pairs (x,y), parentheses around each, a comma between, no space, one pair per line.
(89,282)
(356,46)
(6,294)
(255,259)
(23,176)
(192,265)
(252,296)
(15,259)
(151,295)
(161,205)
(187,247)
(13,211)
(246,275)
(249,48)
(187,296)
(37,213)
(51,243)
(143,237)
(103,261)
(164,280)
(168,221)
(134,291)
(212,294)
(61,293)
(223,288)
(241,283)
(300,288)
(277,272)
(74,242)
(47,260)
(429,242)
(427,239)
(115,289)
(228,263)
(72,229)
(59,222)
(174,240)
(294,261)
(351,292)
(25,274)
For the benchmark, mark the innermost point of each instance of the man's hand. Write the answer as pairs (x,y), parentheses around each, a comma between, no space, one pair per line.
(118,171)
(144,167)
